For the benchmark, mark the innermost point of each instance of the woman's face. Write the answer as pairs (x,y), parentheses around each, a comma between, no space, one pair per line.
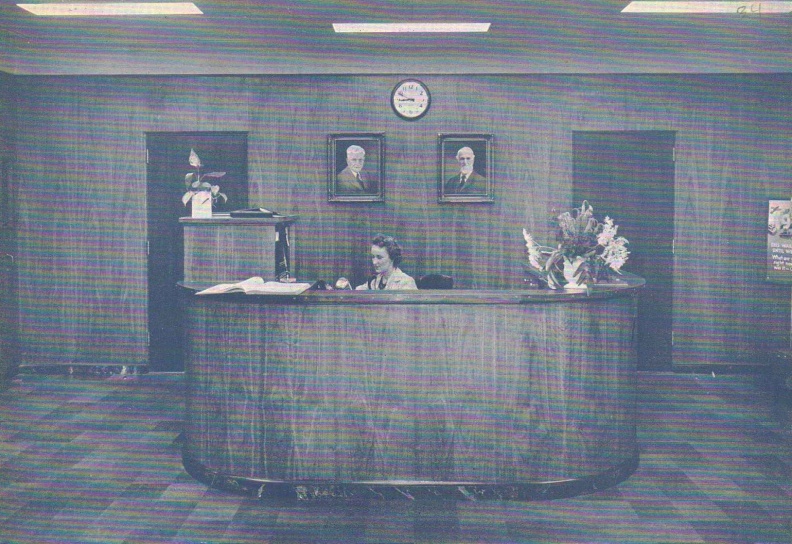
(381,260)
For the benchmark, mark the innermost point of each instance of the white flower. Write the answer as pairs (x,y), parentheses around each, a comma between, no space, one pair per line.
(529,241)
(608,232)
(615,253)
(533,250)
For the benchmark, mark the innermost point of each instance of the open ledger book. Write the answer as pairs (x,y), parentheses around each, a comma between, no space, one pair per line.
(257,286)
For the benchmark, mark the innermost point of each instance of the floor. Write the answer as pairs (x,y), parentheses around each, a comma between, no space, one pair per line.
(98,460)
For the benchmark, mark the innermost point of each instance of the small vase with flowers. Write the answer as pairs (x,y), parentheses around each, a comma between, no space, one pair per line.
(588,250)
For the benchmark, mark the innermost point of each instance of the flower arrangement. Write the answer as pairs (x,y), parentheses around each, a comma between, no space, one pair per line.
(587,250)
(194,181)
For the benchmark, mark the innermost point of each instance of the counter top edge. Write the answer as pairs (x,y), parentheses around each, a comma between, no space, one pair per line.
(631,285)
(228,220)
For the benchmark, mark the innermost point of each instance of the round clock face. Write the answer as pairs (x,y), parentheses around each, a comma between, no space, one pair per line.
(410,99)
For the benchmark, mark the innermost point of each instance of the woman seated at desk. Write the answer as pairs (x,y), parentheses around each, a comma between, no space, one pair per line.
(386,254)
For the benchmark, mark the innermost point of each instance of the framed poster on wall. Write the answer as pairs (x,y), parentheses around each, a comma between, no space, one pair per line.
(779,241)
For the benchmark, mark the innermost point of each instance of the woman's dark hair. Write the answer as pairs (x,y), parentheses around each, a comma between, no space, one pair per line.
(391,246)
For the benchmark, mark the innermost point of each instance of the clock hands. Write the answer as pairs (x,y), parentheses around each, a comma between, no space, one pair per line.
(401,93)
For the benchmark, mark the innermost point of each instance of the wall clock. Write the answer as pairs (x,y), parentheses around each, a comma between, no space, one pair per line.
(410,99)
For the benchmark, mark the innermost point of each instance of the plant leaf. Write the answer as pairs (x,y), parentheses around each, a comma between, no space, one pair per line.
(187,197)
(194,160)
(554,258)
(214,175)
(188,179)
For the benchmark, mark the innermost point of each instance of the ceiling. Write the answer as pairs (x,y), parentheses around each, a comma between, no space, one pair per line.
(296,37)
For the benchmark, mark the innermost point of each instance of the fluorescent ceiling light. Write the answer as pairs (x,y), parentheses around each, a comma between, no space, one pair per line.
(112,9)
(748,7)
(410,27)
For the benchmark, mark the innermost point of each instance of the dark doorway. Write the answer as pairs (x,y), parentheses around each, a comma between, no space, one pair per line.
(168,156)
(629,175)
(9,305)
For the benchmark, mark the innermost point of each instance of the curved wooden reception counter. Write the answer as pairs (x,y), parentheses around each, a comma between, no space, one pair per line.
(478,394)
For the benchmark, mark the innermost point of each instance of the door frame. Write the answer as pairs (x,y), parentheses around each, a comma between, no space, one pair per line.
(164,189)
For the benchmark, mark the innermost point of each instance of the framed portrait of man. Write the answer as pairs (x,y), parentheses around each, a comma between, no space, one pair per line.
(464,168)
(356,167)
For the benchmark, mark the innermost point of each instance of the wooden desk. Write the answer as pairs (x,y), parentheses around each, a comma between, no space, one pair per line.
(474,394)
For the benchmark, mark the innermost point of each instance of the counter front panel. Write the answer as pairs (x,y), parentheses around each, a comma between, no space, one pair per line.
(321,393)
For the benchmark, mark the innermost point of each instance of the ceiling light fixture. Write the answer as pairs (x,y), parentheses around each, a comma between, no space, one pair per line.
(755,7)
(112,9)
(381,28)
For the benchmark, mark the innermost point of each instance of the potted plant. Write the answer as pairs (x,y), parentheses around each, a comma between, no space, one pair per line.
(201,193)
(587,250)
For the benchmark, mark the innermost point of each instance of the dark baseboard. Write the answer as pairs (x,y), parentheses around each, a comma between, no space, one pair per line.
(730,368)
(323,491)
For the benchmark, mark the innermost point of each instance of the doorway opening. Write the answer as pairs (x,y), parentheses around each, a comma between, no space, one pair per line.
(167,156)
(629,175)
(9,303)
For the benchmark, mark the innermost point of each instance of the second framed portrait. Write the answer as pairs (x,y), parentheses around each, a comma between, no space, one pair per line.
(356,167)
(464,168)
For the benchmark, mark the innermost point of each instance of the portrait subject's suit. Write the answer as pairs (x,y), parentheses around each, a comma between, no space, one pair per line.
(474,183)
(347,182)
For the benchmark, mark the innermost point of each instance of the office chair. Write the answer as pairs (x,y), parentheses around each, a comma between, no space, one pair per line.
(435,281)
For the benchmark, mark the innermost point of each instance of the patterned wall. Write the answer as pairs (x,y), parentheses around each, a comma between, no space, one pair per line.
(82,202)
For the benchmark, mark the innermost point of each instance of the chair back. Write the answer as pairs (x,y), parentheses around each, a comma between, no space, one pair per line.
(435,281)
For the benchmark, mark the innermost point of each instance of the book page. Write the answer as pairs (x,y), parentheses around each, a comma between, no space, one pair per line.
(257,286)
(250,284)
(218,289)
(244,286)
(278,288)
